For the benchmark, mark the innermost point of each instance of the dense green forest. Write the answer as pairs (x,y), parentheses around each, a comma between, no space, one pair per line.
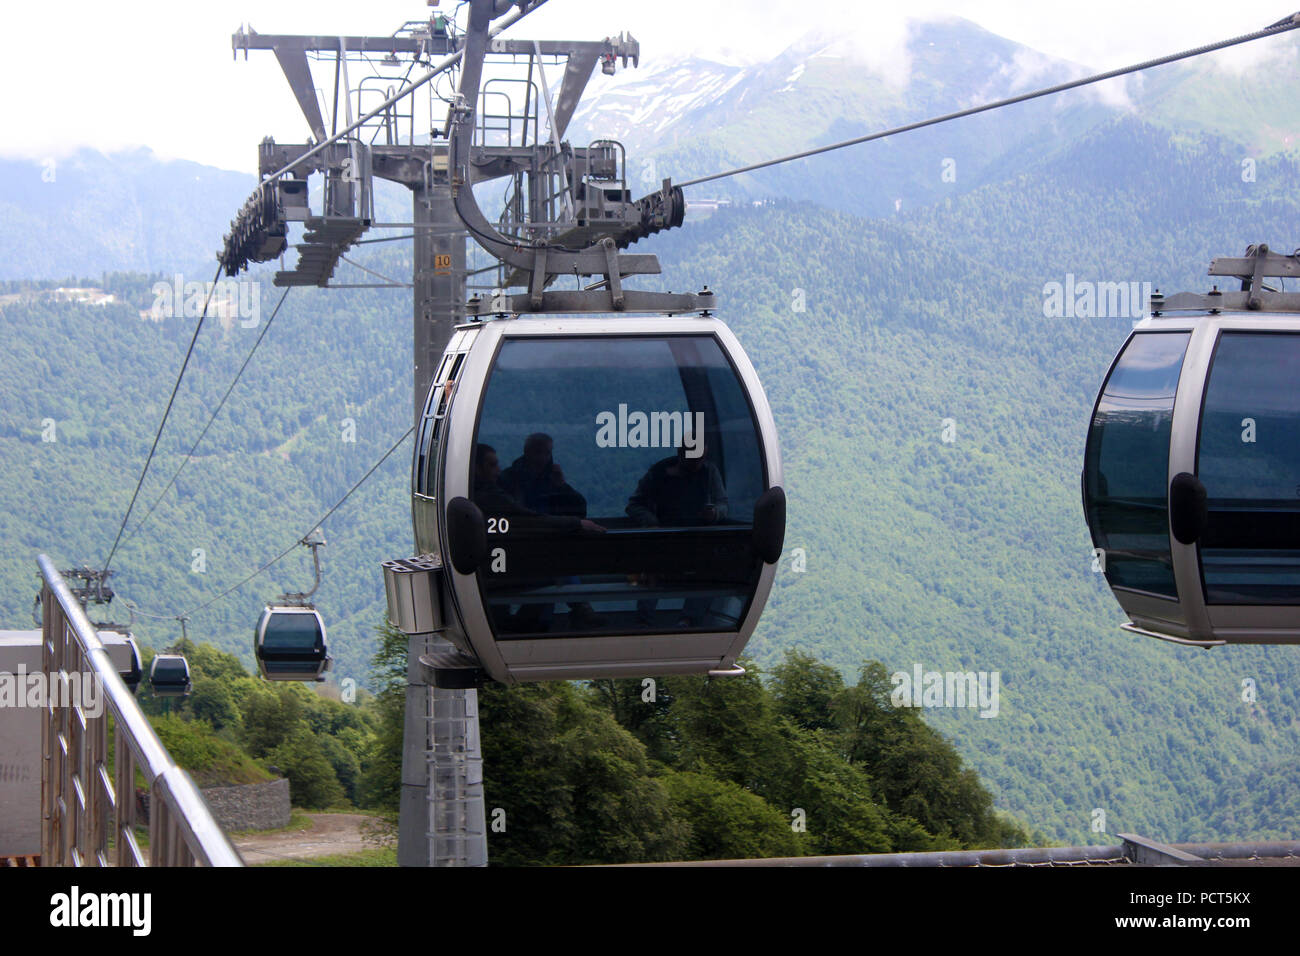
(615,771)
(959,555)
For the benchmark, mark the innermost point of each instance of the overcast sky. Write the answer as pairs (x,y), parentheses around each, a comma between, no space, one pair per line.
(159,73)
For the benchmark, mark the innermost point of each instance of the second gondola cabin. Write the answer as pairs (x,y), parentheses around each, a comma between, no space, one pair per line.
(1191,479)
(290,644)
(125,652)
(605,494)
(169,676)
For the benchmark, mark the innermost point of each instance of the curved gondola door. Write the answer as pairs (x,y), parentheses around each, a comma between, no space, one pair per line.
(169,675)
(605,494)
(1192,478)
(290,644)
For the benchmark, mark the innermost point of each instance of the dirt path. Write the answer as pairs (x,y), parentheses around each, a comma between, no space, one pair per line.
(330,834)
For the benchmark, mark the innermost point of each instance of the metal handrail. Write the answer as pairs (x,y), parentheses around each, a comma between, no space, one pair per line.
(87,813)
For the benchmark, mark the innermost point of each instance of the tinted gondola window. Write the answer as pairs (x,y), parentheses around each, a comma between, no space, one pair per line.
(291,632)
(618,477)
(435,411)
(1126,472)
(1249,462)
(420,479)
(170,676)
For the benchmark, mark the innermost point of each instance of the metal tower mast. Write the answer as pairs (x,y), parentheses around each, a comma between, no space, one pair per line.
(442,815)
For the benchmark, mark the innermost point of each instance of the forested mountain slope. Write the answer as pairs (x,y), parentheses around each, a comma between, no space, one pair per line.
(968,554)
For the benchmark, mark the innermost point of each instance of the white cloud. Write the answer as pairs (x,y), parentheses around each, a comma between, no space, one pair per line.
(881,47)
(1249,57)
(160,73)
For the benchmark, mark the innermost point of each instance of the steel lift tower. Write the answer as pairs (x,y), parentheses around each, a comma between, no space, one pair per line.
(567,212)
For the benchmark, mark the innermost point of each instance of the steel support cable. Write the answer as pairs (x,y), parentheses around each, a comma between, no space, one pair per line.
(217,411)
(362,242)
(283,554)
(166,412)
(134,609)
(1282,26)
(377,275)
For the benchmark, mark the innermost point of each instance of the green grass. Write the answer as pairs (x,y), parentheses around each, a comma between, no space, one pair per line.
(386,856)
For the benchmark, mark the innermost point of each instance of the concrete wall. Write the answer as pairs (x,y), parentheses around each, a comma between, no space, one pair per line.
(20,751)
(255,806)
(20,741)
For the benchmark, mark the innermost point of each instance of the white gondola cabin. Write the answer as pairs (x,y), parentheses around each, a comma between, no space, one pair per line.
(290,644)
(169,676)
(605,494)
(1191,480)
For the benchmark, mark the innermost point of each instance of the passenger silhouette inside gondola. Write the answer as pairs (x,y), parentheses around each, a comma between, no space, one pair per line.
(534,474)
(685,490)
(680,491)
(537,482)
(495,501)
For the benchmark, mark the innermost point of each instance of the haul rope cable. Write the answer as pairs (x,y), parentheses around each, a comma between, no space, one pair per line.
(166,412)
(316,524)
(217,411)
